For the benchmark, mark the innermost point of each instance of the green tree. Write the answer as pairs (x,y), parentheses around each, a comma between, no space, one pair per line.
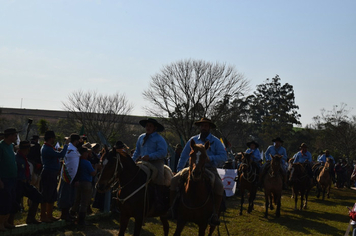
(188,90)
(274,111)
(42,126)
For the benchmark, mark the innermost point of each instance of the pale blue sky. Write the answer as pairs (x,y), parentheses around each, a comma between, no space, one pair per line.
(49,49)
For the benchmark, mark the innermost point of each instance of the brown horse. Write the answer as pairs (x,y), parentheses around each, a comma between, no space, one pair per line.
(324,179)
(273,183)
(248,175)
(196,198)
(135,196)
(301,183)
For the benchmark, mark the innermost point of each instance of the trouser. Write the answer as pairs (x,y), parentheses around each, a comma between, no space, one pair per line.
(83,197)
(159,164)
(29,191)
(8,202)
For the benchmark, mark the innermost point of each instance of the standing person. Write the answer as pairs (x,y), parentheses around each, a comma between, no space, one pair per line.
(66,193)
(85,178)
(217,155)
(35,154)
(8,174)
(272,150)
(23,187)
(51,166)
(304,156)
(152,147)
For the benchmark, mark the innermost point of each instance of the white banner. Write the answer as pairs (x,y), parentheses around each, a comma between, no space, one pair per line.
(228,176)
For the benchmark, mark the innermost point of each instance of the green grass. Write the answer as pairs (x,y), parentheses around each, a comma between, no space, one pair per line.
(328,217)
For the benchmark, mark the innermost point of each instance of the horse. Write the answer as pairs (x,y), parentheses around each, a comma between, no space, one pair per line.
(196,202)
(301,183)
(273,183)
(248,175)
(134,195)
(324,179)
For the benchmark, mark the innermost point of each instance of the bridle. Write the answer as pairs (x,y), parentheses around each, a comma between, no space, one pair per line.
(251,173)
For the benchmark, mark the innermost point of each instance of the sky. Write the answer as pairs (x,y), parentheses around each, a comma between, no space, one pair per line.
(49,49)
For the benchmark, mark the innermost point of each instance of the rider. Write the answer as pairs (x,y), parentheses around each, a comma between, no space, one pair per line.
(255,154)
(304,156)
(217,156)
(276,149)
(152,147)
(322,160)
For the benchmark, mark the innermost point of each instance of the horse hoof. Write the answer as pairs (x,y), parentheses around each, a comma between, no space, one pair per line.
(240,213)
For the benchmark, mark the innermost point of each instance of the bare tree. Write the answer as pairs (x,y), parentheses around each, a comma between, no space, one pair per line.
(99,113)
(187,90)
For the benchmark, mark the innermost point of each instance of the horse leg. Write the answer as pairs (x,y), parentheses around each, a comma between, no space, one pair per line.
(211,229)
(202,228)
(165,225)
(266,204)
(328,193)
(138,225)
(251,199)
(278,210)
(124,221)
(324,189)
(306,199)
(271,202)
(295,194)
(180,226)
(242,192)
(301,199)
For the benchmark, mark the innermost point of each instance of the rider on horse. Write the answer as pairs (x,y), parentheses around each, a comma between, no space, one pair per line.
(304,156)
(217,156)
(321,162)
(152,147)
(273,150)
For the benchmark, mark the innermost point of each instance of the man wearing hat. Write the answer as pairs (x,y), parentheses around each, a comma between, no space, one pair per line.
(8,174)
(51,166)
(254,151)
(322,159)
(272,150)
(24,188)
(152,147)
(217,155)
(304,156)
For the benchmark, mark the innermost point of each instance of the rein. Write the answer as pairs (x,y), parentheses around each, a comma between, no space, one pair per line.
(248,174)
(195,208)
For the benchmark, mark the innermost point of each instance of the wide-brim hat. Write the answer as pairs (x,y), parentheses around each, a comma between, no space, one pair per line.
(120,145)
(303,145)
(252,142)
(143,123)
(205,120)
(11,131)
(278,139)
(94,145)
(24,145)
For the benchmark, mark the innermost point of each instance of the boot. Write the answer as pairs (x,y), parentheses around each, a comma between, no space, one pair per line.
(66,216)
(44,217)
(9,221)
(31,215)
(81,219)
(214,219)
(2,221)
(50,212)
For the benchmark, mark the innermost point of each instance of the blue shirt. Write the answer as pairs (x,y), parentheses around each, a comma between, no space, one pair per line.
(256,155)
(301,158)
(323,157)
(274,151)
(8,167)
(85,169)
(216,151)
(50,157)
(155,147)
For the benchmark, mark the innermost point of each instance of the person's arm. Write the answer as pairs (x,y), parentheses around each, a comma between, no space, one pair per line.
(94,170)
(218,155)
(296,158)
(267,154)
(184,156)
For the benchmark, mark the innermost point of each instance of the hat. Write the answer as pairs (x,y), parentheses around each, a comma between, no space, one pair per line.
(49,134)
(94,145)
(11,131)
(35,137)
(303,145)
(160,127)
(325,151)
(24,145)
(120,145)
(205,120)
(252,142)
(83,149)
(278,139)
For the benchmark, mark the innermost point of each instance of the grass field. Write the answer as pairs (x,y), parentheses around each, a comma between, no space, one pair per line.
(328,217)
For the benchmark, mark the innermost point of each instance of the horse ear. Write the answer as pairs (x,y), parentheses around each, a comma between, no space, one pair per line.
(192,144)
(207,145)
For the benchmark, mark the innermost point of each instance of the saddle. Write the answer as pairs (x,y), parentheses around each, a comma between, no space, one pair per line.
(151,172)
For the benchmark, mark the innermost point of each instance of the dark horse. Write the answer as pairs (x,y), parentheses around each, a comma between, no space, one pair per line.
(301,183)
(273,183)
(196,198)
(324,179)
(248,177)
(135,196)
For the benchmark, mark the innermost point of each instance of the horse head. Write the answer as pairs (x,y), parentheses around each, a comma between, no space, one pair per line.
(275,163)
(197,160)
(245,164)
(109,176)
(297,170)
